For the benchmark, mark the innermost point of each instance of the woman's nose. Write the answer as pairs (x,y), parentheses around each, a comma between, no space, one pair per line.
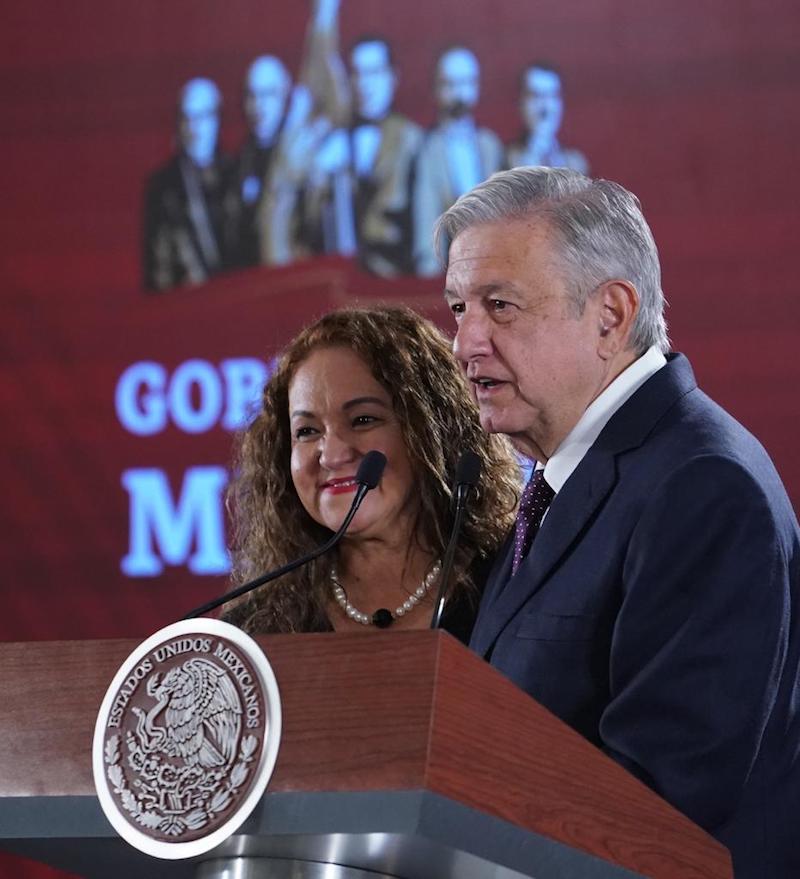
(336,451)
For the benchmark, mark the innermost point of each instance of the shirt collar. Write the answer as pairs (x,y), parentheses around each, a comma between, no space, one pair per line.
(579,440)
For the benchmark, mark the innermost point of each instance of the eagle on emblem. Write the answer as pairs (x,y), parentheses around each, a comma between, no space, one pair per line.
(202,715)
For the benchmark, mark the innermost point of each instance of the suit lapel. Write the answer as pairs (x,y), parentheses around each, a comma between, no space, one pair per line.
(499,573)
(572,508)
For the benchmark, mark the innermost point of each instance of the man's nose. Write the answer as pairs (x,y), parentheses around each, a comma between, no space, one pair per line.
(473,337)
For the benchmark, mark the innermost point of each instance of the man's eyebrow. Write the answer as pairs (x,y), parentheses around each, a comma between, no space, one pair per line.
(486,289)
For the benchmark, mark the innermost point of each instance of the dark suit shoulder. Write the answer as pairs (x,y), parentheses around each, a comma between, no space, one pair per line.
(670,429)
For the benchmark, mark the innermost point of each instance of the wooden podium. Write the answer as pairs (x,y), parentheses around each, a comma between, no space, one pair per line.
(402,754)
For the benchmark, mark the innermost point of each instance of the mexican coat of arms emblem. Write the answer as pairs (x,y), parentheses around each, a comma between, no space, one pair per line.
(187,738)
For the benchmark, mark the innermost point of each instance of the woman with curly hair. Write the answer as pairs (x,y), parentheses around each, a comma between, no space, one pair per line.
(361,379)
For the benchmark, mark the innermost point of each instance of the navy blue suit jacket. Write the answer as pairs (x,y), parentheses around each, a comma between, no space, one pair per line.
(657,614)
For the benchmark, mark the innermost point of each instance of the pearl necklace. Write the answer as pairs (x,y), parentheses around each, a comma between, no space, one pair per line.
(383,617)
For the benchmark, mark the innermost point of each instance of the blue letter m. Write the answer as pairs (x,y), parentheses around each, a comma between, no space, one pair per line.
(193,525)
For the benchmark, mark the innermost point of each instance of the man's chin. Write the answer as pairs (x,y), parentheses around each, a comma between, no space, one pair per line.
(487,423)
(492,422)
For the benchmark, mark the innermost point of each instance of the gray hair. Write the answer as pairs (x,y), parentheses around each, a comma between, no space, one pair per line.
(600,227)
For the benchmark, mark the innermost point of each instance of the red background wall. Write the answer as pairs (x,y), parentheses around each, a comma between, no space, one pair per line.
(692,106)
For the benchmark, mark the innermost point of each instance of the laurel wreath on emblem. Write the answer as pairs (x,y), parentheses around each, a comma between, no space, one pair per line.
(183,775)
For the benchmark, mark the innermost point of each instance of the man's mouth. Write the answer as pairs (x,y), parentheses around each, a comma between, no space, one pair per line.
(484,384)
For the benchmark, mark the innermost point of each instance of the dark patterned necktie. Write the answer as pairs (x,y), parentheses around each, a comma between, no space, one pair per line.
(533,504)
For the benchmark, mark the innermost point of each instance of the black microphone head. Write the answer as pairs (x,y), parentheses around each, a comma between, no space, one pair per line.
(468,469)
(370,469)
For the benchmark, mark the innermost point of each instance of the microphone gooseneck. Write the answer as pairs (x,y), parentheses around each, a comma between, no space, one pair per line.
(368,476)
(468,471)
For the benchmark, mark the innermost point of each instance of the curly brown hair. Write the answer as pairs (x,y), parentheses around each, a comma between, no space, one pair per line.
(438,418)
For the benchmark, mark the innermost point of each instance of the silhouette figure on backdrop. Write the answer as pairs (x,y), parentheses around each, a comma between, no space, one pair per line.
(456,154)
(286,126)
(541,108)
(184,213)
(363,176)
(266,97)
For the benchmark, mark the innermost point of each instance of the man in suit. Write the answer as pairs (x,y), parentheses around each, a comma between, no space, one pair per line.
(185,218)
(360,203)
(655,610)
(286,126)
(266,97)
(455,156)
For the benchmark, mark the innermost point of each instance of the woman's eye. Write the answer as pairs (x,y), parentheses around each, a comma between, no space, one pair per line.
(362,420)
(304,432)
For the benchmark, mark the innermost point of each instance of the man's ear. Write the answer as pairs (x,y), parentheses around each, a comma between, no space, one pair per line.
(617,304)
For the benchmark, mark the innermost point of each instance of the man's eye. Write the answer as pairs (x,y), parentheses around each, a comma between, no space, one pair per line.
(498,304)
(457,307)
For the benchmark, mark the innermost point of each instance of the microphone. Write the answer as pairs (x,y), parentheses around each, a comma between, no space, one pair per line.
(468,471)
(368,476)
